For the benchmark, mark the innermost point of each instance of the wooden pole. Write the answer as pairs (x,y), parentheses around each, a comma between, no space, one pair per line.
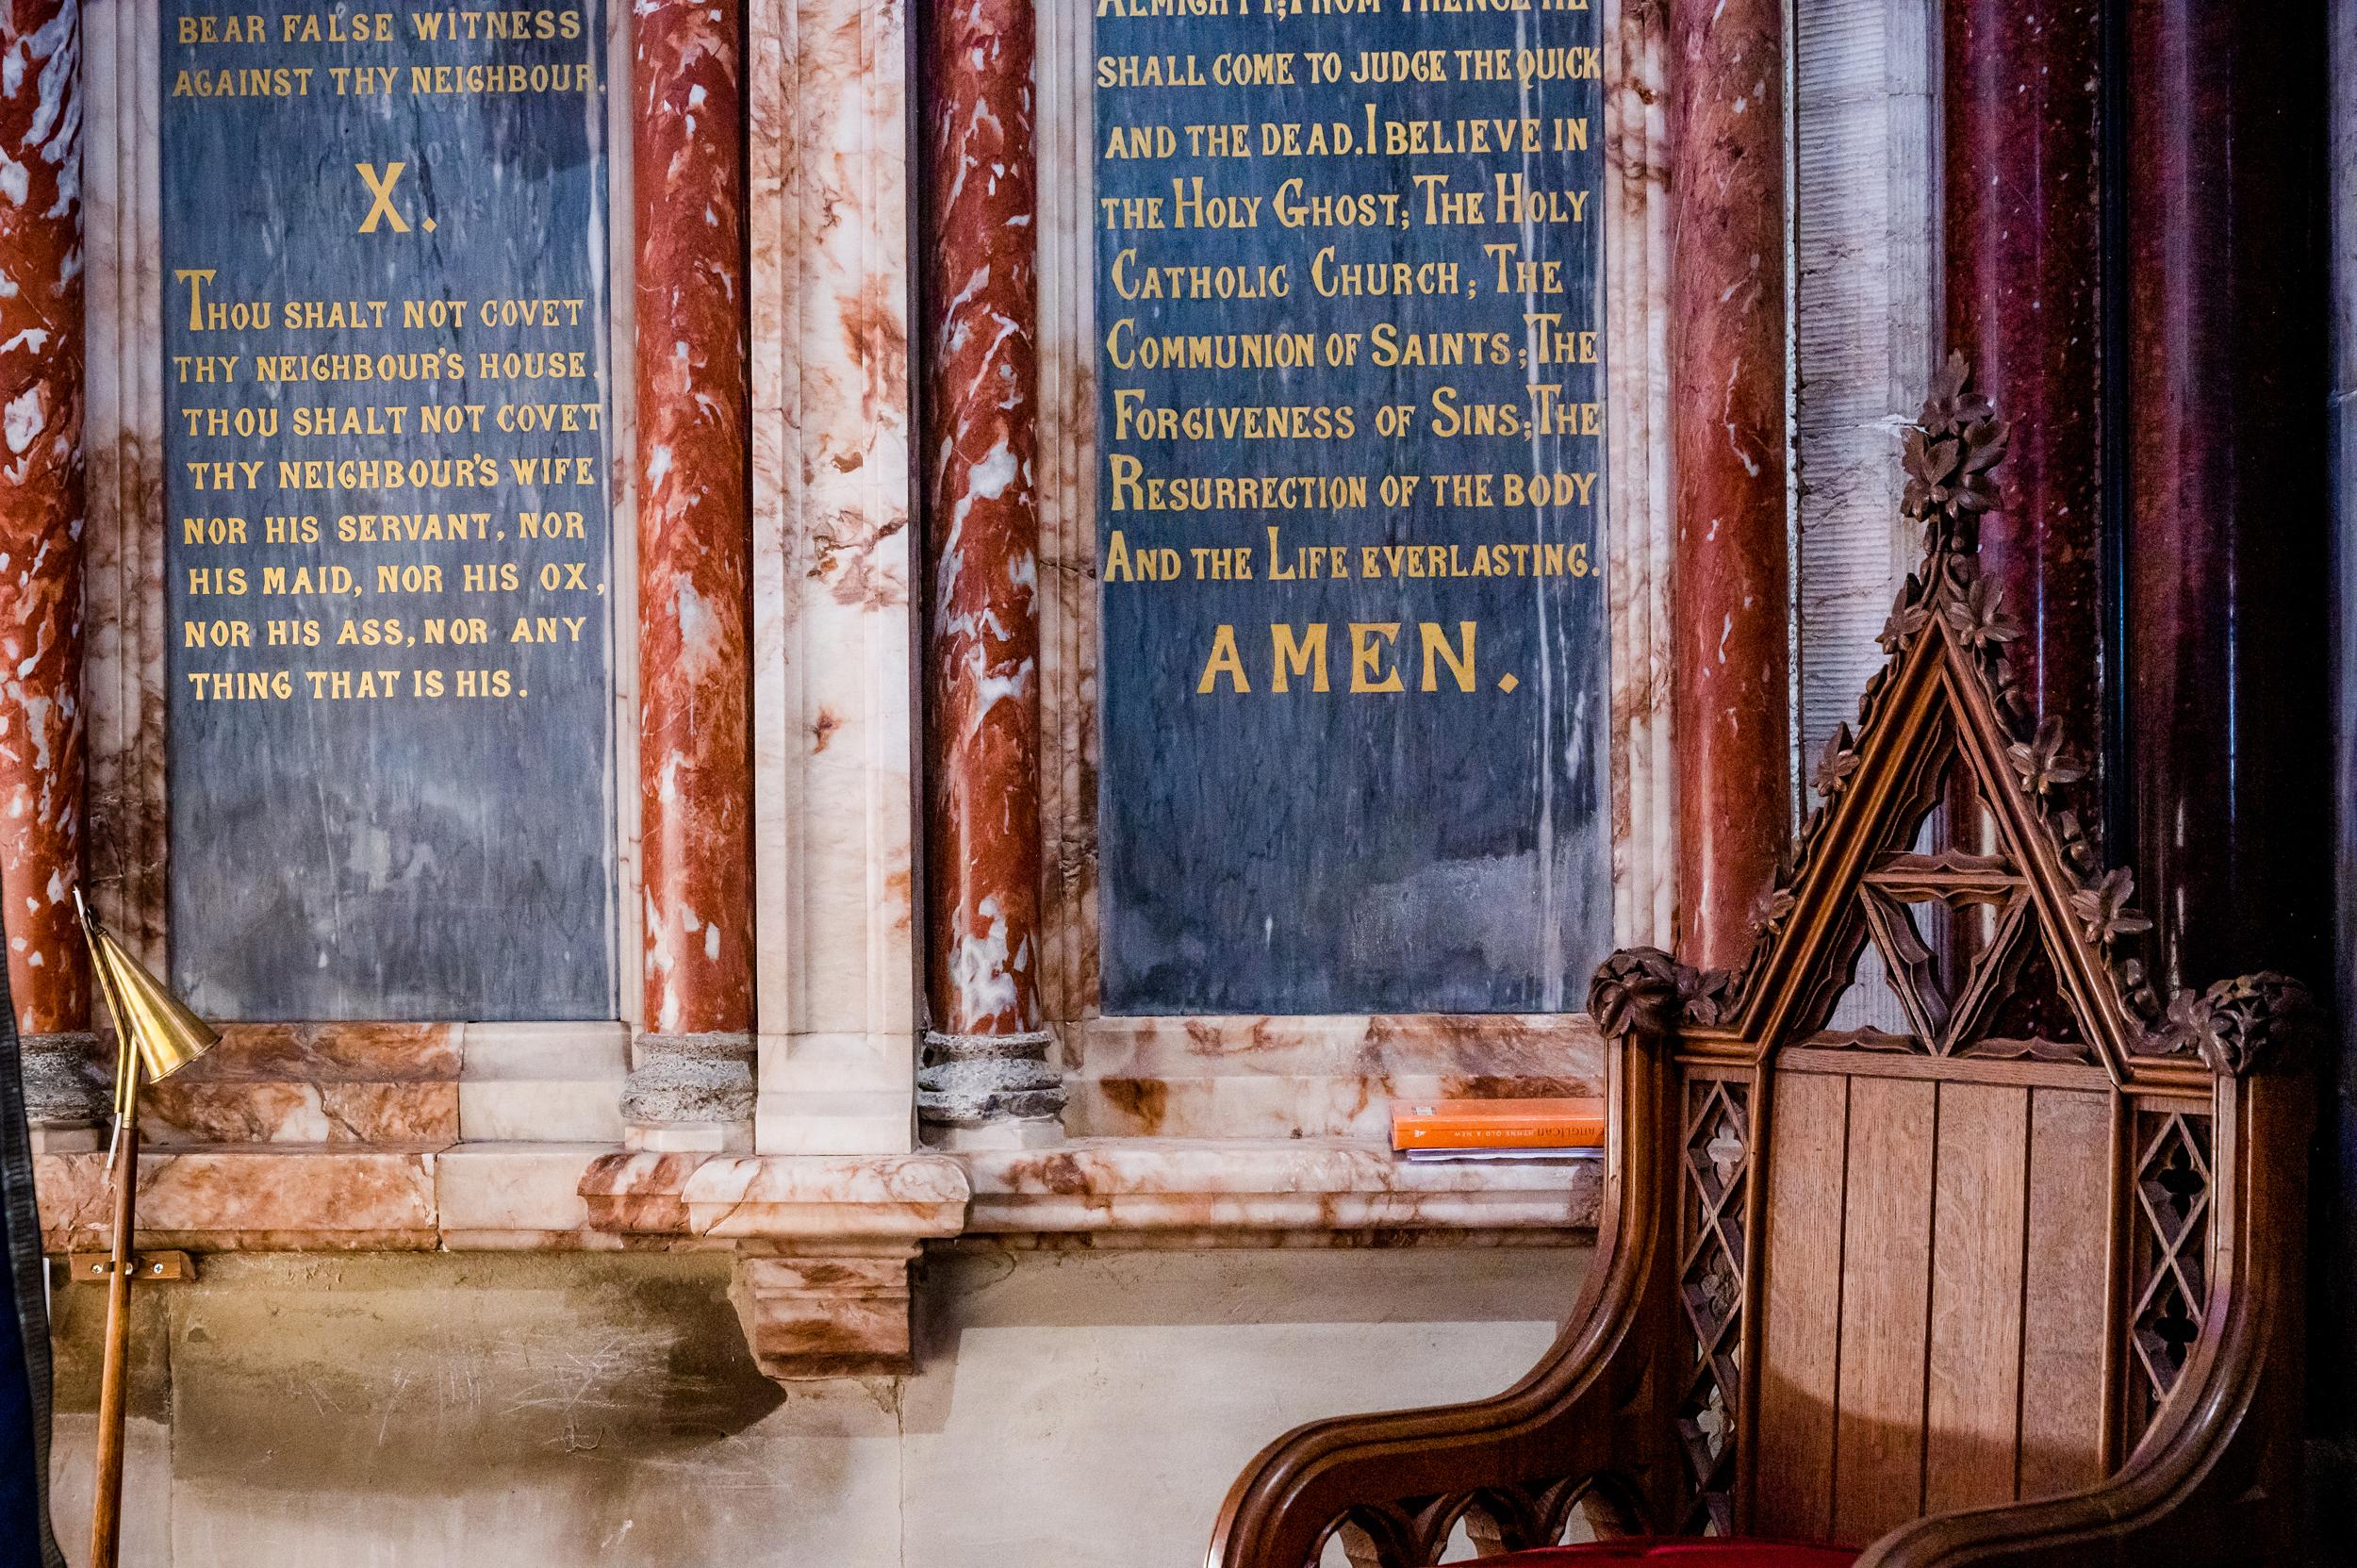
(105,1522)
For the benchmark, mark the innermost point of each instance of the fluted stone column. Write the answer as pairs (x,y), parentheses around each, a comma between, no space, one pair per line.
(41,740)
(694,569)
(1731,669)
(988,1073)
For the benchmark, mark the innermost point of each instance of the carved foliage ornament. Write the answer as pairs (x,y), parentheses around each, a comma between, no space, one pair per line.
(1949,455)
(1644,993)
(2239,1025)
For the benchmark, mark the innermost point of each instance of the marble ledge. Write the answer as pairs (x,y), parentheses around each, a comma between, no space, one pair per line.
(1261,1080)
(1258,1108)
(822,1243)
(391,1085)
(800,1198)
(1481,1045)
(501,1196)
(1202,1191)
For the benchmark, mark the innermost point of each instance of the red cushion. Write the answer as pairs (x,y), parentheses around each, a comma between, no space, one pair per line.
(1686,1552)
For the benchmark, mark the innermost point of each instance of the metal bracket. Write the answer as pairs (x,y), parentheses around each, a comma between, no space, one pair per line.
(146,1266)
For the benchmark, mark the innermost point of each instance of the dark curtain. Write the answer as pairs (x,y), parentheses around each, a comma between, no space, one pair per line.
(25,1540)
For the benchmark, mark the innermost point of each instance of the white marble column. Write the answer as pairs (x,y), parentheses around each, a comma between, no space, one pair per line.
(833,633)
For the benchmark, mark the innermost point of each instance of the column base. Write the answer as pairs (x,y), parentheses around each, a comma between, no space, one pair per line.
(67,1086)
(690,1094)
(835,1092)
(1002,1089)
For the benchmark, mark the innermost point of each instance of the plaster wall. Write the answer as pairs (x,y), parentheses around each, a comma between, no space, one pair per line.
(1073,1410)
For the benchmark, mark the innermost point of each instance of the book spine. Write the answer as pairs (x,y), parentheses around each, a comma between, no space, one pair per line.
(1497,1137)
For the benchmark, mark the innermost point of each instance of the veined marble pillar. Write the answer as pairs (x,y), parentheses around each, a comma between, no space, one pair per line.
(987,1055)
(2227,536)
(2024,236)
(1731,669)
(694,532)
(42,745)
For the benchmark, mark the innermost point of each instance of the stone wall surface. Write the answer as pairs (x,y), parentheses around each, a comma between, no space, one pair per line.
(1075,1409)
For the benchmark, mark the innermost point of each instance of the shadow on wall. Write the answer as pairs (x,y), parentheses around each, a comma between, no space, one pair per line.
(413,1410)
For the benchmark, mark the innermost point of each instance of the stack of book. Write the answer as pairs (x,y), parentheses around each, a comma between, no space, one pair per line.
(1437,1130)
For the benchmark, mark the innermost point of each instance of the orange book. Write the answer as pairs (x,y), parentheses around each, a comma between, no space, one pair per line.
(1500,1124)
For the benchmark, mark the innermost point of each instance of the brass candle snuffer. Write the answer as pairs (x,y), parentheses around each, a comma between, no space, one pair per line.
(155,1036)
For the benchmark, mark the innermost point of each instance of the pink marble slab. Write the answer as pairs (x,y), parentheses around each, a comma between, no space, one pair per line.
(778,1195)
(333,1084)
(252,1199)
(184,1110)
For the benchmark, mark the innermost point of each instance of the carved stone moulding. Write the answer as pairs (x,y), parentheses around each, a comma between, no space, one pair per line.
(823,1244)
(843,1314)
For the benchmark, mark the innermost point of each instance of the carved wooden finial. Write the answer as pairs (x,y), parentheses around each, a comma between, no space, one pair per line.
(1952,614)
(1947,454)
(1950,453)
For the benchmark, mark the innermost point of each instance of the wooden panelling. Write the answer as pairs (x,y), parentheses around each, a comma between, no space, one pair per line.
(1886,1274)
(2064,1348)
(1800,1331)
(1973,1390)
(1933,1333)
(1971,1070)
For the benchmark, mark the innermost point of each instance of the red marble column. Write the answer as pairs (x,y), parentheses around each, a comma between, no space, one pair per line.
(1731,669)
(987,1051)
(2024,236)
(695,545)
(42,747)
(2227,530)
